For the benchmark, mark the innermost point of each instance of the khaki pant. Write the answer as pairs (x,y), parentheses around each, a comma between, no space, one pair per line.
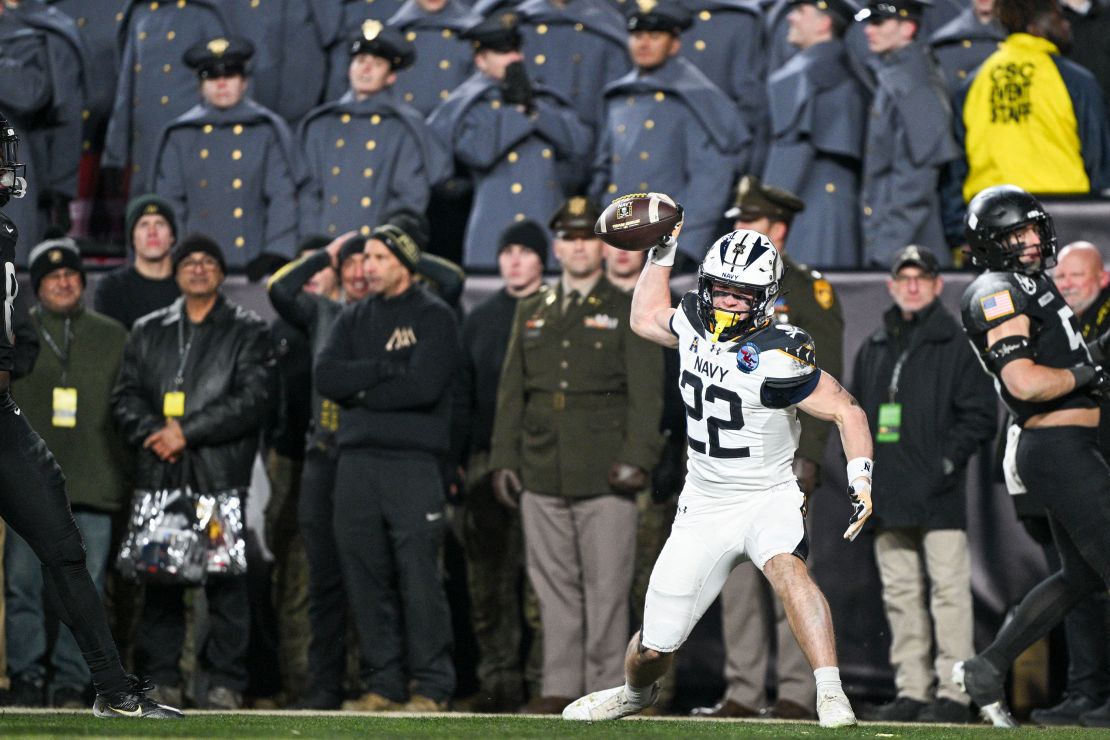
(750,612)
(906,557)
(580,555)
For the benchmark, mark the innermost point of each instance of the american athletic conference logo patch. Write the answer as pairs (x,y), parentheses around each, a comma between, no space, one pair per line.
(747,358)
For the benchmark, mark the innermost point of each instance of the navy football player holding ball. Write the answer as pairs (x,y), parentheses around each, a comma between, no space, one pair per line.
(34,503)
(1029,340)
(742,378)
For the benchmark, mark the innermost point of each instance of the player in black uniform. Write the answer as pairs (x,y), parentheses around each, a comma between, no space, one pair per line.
(1028,339)
(33,499)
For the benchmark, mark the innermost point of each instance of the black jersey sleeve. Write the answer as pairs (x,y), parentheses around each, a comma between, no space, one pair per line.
(994,298)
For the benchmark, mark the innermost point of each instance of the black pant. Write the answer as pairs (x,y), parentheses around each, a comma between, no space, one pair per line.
(33,502)
(1067,476)
(162,632)
(390,522)
(327,596)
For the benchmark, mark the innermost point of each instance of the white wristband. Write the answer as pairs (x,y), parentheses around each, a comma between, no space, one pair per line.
(663,254)
(859,467)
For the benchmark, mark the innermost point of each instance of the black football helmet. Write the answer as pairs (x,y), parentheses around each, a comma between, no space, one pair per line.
(13,184)
(994,217)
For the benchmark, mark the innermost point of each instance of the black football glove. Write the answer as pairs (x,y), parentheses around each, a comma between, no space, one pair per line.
(1099,348)
(516,88)
(1094,380)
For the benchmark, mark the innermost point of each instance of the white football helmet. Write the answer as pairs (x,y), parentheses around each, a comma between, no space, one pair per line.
(746,260)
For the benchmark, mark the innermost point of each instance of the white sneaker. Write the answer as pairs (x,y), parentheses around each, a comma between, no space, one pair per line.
(833,710)
(607,704)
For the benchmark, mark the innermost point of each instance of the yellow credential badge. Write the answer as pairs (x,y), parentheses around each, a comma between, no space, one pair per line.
(65,408)
(173,404)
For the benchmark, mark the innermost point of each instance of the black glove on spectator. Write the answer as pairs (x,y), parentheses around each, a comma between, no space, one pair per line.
(516,88)
(263,265)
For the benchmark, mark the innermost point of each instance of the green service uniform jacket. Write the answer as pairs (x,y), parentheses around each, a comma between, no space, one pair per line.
(808,301)
(578,393)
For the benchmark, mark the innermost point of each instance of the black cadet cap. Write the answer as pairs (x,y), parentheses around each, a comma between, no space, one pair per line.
(374,37)
(842,9)
(576,218)
(527,234)
(880,10)
(755,200)
(500,32)
(659,15)
(915,256)
(219,57)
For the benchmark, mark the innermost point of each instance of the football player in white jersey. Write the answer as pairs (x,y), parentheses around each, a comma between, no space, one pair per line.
(742,379)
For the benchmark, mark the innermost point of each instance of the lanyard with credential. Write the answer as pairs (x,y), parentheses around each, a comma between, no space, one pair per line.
(896,374)
(183,348)
(62,353)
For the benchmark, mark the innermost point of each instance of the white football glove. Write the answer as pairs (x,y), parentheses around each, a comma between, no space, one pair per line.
(664,252)
(859,493)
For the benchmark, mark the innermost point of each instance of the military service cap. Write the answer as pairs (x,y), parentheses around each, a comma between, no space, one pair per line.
(575,219)
(500,32)
(659,15)
(878,11)
(51,255)
(374,37)
(915,256)
(225,56)
(843,10)
(755,200)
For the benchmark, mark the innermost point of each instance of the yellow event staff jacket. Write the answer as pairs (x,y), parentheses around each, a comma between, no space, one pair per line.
(1032,118)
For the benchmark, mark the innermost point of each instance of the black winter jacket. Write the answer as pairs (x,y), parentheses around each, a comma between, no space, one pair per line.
(949,409)
(227,384)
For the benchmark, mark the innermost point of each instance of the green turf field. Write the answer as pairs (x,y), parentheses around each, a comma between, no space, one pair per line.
(299,725)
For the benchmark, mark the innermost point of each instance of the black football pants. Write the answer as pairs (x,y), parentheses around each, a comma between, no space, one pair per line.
(33,502)
(1067,476)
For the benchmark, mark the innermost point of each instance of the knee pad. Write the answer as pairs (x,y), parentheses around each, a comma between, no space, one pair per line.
(668,620)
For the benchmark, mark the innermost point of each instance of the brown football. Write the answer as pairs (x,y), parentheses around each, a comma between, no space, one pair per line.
(638,221)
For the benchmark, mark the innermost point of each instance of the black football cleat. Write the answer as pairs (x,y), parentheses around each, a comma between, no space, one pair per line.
(983,683)
(133,704)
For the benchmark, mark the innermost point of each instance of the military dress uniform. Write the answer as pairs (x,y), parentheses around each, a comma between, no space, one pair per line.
(909,140)
(512,152)
(231,173)
(97,25)
(155,87)
(726,43)
(579,391)
(574,49)
(289,84)
(338,20)
(53,133)
(366,158)
(443,59)
(818,109)
(962,44)
(671,130)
